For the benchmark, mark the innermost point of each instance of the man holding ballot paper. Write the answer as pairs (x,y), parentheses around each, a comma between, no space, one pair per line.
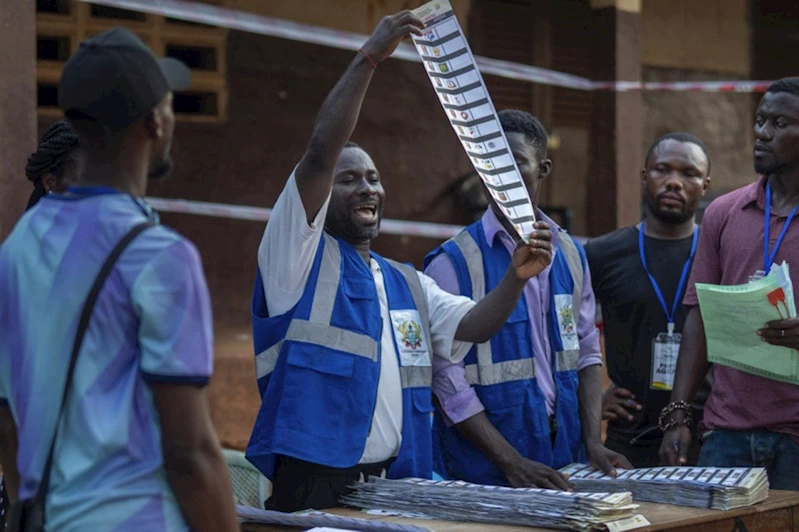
(743,313)
(343,337)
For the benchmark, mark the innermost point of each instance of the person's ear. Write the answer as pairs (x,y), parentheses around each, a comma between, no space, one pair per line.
(705,184)
(544,168)
(48,182)
(154,124)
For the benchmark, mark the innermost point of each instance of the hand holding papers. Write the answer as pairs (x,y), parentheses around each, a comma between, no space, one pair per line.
(454,75)
(461,501)
(719,488)
(733,315)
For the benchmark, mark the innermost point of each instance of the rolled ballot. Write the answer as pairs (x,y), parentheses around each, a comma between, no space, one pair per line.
(719,488)
(460,88)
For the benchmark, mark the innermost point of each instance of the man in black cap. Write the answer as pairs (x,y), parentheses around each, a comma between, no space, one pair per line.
(134,448)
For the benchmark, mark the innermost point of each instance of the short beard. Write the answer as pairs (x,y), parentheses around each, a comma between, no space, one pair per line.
(161,169)
(340,224)
(762,169)
(671,217)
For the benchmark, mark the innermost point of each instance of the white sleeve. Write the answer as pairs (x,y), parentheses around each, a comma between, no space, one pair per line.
(288,248)
(446,312)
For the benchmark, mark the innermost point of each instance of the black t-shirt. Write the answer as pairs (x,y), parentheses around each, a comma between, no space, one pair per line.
(632,313)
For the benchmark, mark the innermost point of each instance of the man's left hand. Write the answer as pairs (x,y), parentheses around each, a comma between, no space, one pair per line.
(531,259)
(606,460)
(784,333)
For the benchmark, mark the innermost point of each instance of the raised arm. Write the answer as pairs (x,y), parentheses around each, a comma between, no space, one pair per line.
(339,113)
(490,313)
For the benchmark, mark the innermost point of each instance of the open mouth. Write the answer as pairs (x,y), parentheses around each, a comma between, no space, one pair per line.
(366,213)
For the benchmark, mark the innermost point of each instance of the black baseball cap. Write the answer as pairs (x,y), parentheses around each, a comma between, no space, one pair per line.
(114,78)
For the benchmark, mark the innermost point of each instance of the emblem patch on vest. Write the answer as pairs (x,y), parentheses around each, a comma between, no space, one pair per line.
(409,338)
(566,322)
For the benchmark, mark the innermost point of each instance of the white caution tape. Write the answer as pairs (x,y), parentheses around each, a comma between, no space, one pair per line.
(296,31)
(260,214)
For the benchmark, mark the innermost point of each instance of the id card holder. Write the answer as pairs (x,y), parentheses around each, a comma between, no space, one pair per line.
(665,350)
(759,274)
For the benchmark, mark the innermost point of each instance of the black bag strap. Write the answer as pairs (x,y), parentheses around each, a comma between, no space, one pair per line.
(83,324)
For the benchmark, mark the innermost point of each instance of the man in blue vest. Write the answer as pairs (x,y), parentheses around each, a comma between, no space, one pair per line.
(528,401)
(343,337)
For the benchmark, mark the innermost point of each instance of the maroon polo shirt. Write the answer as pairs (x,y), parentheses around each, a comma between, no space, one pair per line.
(730,250)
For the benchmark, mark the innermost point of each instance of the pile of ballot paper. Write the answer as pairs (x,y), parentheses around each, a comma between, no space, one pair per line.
(720,488)
(461,501)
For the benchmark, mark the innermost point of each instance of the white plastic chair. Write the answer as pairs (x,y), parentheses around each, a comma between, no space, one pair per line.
(250,487)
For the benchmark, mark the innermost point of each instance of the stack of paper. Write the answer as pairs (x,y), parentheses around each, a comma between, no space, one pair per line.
(732,316)
(308,519)
(461,501)
(720,488)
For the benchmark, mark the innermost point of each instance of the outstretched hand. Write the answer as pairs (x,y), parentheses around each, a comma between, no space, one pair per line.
(390,32)
(525,473)
(531,259)
(606,460)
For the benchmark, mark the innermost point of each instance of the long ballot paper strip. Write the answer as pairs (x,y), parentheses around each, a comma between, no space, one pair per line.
(320,519)
(719,488)
(452,70)
(462,501)
(733,314)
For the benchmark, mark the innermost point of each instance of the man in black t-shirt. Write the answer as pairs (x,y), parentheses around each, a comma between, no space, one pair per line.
(639,275)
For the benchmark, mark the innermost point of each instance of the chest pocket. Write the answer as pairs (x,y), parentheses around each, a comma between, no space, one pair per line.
(357,297)
(514,338)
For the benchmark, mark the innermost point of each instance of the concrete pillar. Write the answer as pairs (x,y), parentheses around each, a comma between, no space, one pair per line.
(18,136)
(614,184)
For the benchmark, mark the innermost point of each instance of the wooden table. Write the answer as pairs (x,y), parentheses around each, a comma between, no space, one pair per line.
(780,513)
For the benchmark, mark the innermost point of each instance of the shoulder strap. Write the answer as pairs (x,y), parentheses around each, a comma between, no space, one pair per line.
(83,324)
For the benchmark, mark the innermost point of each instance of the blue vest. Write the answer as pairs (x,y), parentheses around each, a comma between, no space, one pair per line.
(318,365)
(502,371)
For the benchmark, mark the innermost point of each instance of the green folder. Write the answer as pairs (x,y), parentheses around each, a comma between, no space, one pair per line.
(732,316)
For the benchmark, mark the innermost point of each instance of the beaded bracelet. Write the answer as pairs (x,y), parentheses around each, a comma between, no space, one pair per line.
(672,423)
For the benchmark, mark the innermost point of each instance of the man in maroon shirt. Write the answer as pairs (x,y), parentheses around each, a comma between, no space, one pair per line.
(749,421)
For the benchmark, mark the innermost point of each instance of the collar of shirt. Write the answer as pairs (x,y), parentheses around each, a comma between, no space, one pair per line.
(756,194)
(493,227)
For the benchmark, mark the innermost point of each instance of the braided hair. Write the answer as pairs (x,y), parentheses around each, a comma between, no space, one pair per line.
(55,155)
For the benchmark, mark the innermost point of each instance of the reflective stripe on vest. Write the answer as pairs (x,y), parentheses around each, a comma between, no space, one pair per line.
(567,359)
(486,372)
(416,376)
(318,331)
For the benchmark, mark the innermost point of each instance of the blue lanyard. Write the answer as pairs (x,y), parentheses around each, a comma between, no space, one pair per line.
(685,269)
(768,259)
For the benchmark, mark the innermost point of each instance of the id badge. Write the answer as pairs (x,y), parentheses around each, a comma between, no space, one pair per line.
(759,274)
(665,350)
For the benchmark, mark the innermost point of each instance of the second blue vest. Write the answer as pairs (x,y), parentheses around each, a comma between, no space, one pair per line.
(502,371)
